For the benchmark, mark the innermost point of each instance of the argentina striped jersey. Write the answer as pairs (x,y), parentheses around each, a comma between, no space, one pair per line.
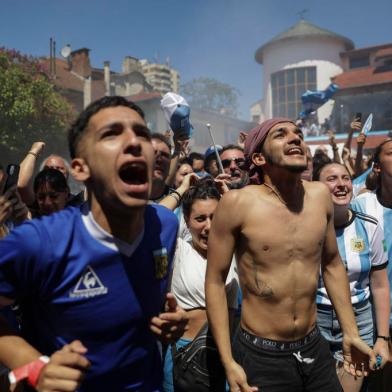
(361,247)
(368,203)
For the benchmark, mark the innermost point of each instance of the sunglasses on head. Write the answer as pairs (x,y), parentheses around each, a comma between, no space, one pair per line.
(240,162)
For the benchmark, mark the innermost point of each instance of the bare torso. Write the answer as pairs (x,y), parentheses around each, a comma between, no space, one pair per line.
(279,252)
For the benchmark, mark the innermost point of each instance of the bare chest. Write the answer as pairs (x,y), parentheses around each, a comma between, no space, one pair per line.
(281,232)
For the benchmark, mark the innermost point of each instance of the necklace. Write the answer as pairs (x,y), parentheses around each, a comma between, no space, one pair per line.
(274,191)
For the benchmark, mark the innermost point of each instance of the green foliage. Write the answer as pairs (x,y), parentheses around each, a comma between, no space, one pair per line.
(210,94)
(30,107)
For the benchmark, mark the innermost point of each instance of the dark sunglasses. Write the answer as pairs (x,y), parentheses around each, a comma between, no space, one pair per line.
(240,162)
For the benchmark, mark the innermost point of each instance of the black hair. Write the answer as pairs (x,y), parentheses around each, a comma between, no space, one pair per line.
(184,161)
(77,129)
(231,147)
(372,181)
(203,189)
(317,173)
(162,138)
(196,156)
(53,177)
(376,161)
(319,161)
(207,160)
(377,152)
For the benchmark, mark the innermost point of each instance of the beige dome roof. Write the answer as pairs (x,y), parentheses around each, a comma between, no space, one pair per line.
(300,30)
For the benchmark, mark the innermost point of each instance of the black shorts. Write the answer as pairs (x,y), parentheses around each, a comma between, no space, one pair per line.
(272,366)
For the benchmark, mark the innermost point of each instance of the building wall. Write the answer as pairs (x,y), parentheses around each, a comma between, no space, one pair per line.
(323,53)
(365,100)
(256,112)
(163,78)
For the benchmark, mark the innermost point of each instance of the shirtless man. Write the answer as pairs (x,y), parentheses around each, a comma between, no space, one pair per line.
(280,232)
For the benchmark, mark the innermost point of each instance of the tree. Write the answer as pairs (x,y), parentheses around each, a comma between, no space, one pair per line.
(210,94)
(30,107)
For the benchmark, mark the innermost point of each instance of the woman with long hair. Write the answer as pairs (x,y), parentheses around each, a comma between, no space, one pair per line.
(360,241)
(378,203)
(190,263)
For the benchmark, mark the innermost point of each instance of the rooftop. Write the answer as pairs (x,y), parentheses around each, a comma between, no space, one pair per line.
(301,30)
(361,77)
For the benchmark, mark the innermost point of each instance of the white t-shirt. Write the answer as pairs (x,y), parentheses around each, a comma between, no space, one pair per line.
(188,278)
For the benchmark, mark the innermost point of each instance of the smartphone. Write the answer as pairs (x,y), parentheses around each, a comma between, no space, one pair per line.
(358,116)
(12,176)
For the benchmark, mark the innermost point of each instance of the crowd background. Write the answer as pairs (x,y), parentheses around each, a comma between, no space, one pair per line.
(190,184)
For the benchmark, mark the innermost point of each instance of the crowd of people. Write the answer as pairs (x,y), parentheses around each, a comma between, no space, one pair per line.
(274,257)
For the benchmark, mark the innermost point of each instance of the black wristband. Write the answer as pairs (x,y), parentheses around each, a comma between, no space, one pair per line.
(387,338)
(33,153)
(177,193)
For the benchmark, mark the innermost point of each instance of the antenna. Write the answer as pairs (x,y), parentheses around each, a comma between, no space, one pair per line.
(66,51)
(302,13)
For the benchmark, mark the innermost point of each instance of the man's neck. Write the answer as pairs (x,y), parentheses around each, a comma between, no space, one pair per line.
(124,225)
(287,188)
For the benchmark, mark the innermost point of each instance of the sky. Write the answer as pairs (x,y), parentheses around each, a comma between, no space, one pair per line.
(202,38)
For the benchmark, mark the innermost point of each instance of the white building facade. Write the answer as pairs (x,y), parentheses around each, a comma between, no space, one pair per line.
(305,57)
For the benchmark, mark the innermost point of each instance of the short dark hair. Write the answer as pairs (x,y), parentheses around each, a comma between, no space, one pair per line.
(202,190)
(77,129)
(231,147)
(162,138)
(184,161)
(197,156)
(207,160)
(52,177)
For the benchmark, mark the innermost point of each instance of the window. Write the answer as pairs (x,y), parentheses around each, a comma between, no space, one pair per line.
(287,88)
(359,62)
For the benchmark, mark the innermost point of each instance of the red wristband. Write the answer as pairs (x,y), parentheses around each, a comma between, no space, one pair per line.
(30,371)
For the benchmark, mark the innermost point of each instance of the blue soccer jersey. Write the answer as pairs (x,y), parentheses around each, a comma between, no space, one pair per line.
(368,203)
(361,247)
(75,281)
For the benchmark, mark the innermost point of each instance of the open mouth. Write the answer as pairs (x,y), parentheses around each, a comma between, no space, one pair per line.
(340,194)
(235,174)
(294,151)
(204,237)
(134,173)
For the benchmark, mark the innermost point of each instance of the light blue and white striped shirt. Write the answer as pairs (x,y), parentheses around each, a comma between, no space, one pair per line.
(368,203)
(361,247)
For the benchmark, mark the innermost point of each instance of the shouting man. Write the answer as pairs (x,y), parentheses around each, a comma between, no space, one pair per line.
(91,281)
